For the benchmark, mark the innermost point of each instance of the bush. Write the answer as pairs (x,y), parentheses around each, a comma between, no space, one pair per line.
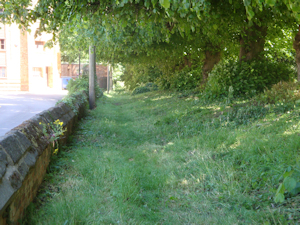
(280,92)
(152,85)
(72,99)
(136,75)
(140,90)
(82,83)
(185,79)
(145,88)
(246,78)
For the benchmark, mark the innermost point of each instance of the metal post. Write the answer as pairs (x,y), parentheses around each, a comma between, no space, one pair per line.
(111,80)
(79,63)
(92,77)
(108,78)
(95,66)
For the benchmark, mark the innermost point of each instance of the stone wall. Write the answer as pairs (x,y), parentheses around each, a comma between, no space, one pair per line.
(25,153)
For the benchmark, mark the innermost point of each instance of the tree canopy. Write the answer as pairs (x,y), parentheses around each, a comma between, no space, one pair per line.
(167,34)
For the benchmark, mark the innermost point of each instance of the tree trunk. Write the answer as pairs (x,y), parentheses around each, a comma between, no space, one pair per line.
(252,45)
(186,62)
(296,46)
(211,59)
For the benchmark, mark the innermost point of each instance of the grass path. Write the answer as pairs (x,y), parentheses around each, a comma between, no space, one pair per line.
(158,159)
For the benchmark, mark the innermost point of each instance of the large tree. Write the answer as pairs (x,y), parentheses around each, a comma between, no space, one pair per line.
(127,29)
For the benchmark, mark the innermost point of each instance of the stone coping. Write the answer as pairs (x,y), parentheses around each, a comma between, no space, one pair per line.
(21,147)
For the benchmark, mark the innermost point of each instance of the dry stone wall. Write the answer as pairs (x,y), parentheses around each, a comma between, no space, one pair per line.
(25,153)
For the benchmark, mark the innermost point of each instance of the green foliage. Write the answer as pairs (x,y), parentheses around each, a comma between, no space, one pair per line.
(77,92)
(290,185)
(246,78)
(282,92)
(82,84)
(73,99)
(145,88)
(140,90)
(283,96)
(247,114)
(184,79)
(152,85)
(136,75)
(53,131)
(160,155)
(163,34)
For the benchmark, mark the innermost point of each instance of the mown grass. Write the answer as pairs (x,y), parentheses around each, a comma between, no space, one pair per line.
(156,158)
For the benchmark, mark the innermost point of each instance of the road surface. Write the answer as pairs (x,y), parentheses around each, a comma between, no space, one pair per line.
(16,107)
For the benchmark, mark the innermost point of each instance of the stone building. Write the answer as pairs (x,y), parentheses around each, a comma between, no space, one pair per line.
(25,64)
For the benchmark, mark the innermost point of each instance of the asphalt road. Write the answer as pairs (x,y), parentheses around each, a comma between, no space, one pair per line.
(16,107)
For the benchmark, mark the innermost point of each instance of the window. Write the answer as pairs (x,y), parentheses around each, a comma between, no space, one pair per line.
(2,44)
(2,71)
(40,45)
(37,72)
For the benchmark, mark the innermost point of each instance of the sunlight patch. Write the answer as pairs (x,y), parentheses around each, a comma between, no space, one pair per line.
(235,144)
(161,97)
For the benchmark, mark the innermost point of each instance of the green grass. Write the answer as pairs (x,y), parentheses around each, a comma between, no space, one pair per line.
(156,158)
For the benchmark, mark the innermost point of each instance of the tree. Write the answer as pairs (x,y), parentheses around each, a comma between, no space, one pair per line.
(168,34)
(284,12)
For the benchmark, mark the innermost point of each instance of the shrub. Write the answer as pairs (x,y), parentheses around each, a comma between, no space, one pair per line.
(136,75)
(280,92)
(145,88)
(82,83)
(246,78)
(140,90)
(73,99)
(152,85)
(185,79)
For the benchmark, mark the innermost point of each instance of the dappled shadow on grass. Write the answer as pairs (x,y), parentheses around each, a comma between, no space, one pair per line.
(171,161)
(206,157)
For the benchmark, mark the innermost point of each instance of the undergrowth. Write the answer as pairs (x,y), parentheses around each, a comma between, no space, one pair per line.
(77,92)
(246,78)
(145,88)
(162,158)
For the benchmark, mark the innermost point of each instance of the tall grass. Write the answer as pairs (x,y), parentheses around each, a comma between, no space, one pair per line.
(159,159)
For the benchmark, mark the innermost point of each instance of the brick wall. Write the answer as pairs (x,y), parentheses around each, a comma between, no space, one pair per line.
(25,153)
(71,70)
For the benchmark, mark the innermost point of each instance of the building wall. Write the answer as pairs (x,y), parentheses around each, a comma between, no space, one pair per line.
(29,66)
(43,62)
(12,80)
